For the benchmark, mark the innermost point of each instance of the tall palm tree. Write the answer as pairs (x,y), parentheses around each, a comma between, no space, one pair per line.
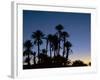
(68,45)
(50,37)
(64,36)
(59,28)
(37,36)
(55,44)
(28,45)
(46,38)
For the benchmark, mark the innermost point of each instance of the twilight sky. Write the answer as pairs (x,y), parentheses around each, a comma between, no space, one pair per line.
(76,24)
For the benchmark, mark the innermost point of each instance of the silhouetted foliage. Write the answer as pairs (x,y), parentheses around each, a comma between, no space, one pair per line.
(50,39)
(55,45)
(89,64)
(59,28)
(59,60)
(79,63)
(64,36)
(67,45)
(27,52)
(28,44)
(44,51)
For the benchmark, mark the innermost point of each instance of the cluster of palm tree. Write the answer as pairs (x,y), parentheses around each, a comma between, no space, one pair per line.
(56,51)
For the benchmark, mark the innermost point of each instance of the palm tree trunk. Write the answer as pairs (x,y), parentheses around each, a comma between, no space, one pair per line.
(67,54)
(50,50)
(54,52)
(46,47)
(64,47)
(59,43)
(28,59)
(59,47)
(38,52)
(38,48)
(34,60)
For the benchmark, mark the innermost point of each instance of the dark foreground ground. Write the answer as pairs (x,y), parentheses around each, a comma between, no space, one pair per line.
(40,66)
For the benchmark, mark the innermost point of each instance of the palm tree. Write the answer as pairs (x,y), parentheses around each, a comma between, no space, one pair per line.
(64,35)
(67,45)
(55,44)
(59,28)
(28,45)
(37,36)
(46,38)
(50,37)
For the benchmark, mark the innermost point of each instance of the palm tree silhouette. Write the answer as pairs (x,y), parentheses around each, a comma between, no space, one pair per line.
(46,38)
(64,35)
(37,36)
(67,45)
(55,44)
(28,45)
(50,39)
(59,28)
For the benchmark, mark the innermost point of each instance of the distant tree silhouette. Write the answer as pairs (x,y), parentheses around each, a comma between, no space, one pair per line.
(68,62)
(44,59)
(59,60)
(59,28)
(27,46)
(79,63)
(67,45)
(89,64)
(64,36)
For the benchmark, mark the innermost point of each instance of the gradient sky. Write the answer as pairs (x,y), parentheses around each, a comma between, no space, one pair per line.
(76,24)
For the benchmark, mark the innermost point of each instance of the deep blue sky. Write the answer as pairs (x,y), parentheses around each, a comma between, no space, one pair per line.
(76,24)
